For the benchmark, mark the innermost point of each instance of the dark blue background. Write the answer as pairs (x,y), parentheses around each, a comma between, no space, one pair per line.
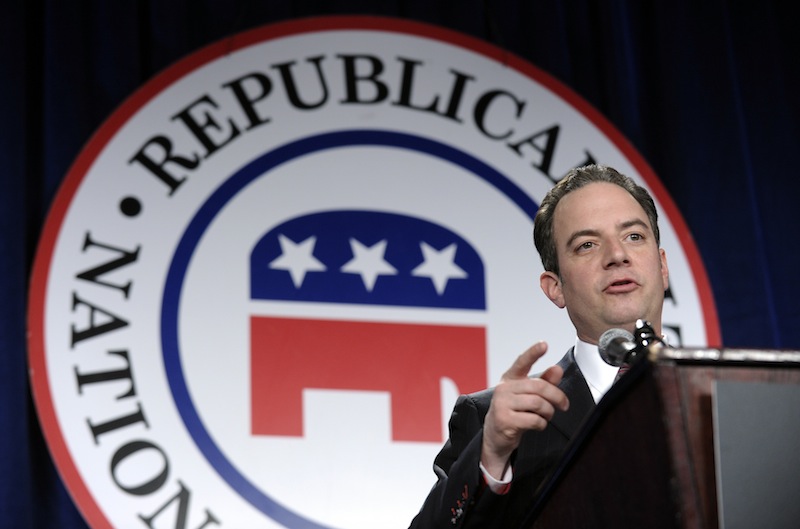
(706,91)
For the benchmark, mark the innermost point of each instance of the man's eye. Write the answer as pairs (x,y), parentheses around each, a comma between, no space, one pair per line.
(636,236)
(585,246)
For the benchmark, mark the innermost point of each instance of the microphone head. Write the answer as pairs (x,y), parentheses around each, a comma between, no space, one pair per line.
(615,345)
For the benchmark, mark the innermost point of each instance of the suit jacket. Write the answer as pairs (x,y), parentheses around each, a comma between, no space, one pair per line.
(460,497)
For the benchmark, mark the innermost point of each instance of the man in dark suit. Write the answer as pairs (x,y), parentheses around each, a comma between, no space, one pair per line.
(597,234)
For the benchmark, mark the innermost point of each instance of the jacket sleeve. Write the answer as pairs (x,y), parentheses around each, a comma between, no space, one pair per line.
(460,496)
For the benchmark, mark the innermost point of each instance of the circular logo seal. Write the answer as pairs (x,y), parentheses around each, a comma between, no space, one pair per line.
(270,273)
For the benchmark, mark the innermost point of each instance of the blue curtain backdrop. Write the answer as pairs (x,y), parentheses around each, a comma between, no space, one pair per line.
(706,91)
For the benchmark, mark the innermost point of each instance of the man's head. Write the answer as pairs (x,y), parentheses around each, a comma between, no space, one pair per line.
(597,234)
(575,179)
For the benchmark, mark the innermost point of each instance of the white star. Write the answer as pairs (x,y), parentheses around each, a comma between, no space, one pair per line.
(439,266)
(369,262)
(297,258)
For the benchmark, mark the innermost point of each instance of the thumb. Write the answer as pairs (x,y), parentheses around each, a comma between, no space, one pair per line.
(553,374)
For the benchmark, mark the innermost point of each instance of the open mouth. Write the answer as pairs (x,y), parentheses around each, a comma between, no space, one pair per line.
(621,286)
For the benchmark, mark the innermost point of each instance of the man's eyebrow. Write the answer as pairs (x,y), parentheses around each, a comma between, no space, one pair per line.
(634,222)
(595,233)
(581,233)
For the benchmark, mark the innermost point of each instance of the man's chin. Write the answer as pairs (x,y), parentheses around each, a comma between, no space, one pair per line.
(626,319)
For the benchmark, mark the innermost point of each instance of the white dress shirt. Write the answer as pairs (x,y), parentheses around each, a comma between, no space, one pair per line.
(598,374)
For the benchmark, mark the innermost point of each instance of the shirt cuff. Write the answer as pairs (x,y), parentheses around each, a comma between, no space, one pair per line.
(501,486)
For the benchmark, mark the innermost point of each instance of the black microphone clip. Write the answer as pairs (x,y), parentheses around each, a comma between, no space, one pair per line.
(645,336)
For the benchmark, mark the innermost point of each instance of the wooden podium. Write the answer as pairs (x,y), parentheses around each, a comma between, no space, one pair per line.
(646,457)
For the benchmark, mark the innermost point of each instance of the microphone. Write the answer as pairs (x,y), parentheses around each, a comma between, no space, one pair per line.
(618,346)
(615,346)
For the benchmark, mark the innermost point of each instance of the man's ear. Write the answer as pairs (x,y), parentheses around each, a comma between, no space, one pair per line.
(551,286)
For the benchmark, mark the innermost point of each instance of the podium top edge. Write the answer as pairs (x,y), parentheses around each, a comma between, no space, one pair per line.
(736,356)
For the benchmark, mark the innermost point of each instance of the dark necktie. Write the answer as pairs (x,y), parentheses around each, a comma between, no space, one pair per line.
(622,370)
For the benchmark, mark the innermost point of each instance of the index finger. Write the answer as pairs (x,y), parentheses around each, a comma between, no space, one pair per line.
(522,365)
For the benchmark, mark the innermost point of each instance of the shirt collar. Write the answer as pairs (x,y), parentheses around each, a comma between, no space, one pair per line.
(598,374)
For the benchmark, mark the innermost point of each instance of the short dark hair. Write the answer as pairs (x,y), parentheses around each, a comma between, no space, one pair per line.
(575,179)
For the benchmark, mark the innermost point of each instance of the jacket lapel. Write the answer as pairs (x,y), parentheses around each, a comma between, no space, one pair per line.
(581,402)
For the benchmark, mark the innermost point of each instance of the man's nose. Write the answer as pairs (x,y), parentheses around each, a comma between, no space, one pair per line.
(616,253)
